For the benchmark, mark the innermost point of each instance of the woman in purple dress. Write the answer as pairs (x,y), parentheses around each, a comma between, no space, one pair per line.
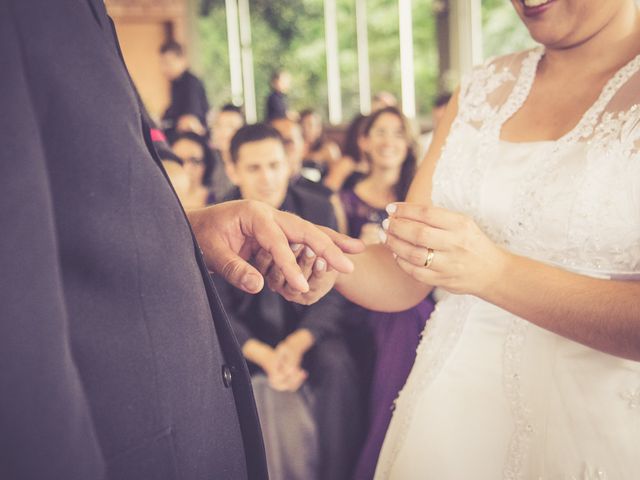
(393,337)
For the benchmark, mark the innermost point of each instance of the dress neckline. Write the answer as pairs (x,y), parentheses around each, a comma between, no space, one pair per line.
(587,122)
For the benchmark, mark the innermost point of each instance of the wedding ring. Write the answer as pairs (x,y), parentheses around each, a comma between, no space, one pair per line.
(429,260)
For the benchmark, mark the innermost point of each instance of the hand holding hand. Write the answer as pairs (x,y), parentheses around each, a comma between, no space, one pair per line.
(230,233)
(443,248)
(370,234)
(320,276)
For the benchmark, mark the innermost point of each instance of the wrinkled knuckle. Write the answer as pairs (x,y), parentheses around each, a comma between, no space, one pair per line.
(422,236)
(416,256)
(230,269)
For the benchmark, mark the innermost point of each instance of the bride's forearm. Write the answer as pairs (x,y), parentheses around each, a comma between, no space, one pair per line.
(602,314)
(377,283)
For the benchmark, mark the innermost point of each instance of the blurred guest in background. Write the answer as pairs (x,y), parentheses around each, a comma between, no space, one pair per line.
(224,125)
(277,105)
(172,163)
(304,379)
(196,160)
(392,337)
(352,165)
(188,107)
(383,99)
(437,112)
(321,154)
(291,134)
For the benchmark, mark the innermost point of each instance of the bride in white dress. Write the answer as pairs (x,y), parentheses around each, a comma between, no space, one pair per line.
(527,209)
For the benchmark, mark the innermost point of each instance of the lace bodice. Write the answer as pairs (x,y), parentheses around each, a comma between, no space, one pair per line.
(574,202)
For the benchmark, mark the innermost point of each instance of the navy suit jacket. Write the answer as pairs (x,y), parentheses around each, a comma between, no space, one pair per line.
(116,359)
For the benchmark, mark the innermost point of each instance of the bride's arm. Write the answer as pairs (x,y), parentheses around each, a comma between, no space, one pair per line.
(603,314)
(377,282)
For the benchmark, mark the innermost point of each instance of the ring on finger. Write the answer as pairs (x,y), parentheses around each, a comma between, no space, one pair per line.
(430,255)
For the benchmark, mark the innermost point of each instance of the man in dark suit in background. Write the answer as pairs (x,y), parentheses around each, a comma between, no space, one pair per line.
(277,104)
(303,374)
(187,111)
(116,359)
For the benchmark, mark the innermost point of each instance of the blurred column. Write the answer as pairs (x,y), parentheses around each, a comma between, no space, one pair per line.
(364,81)
(407,76)
(250,110)
(333,64)
(466,35)
(440,10)
(235,60)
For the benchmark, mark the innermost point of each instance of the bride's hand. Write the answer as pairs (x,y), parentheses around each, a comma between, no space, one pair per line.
(315,269)
(443,248)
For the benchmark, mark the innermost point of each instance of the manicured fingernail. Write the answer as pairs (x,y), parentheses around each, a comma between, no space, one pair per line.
(391,208)
(250,282)
(395,256)
(320,265)
(382,236)
(309,253)
(296,246)
(303,283)
(385,224)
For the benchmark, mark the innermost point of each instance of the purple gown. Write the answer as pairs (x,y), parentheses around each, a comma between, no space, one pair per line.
(394,338)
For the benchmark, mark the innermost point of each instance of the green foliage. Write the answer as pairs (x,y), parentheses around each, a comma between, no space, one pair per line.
(290,34)
(502,30)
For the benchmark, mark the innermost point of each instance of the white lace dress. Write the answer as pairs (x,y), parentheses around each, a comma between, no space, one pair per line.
(492,396)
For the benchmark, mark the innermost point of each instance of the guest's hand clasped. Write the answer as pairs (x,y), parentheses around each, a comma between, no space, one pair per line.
(443,248)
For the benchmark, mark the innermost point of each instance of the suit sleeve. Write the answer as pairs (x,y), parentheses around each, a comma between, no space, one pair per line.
(45,422)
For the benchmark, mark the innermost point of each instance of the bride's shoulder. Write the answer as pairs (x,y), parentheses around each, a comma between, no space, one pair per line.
(497,71)
(510,62)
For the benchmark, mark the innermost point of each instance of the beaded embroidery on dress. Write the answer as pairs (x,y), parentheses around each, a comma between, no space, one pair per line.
(490,395)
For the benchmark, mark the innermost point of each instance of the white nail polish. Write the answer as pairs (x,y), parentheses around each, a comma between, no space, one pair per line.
(391,208)
(382,236)
(385,224)
(308,252)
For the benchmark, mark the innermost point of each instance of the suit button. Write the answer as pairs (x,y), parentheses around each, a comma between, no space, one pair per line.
(226,376)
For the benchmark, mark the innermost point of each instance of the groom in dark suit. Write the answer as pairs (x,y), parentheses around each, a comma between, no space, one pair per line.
(116,359)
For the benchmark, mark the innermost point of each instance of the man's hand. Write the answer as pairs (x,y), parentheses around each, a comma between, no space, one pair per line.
(319,276)
(232,232)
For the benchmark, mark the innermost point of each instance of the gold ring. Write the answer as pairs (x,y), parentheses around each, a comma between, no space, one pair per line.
(429,260)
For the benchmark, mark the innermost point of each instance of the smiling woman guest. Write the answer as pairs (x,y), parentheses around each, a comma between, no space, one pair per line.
(385,343)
